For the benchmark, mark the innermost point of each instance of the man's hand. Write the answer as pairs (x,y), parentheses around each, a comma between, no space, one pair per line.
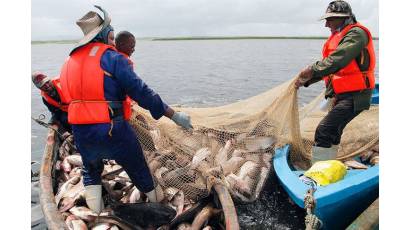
(304,76)
(182,119)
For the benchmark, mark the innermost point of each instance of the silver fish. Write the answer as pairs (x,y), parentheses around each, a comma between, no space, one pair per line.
(232,165)
(249,168)
(75,160)
(199,156)
(83,213)
(178,201)
(355,164)
(222,155)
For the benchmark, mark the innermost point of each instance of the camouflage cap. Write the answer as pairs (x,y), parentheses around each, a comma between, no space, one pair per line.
(39,79)
(338,9)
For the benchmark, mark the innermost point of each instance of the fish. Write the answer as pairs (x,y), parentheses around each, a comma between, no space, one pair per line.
(182,160)
(238,184)
(110,171)
(154,165)
(184,226)
(254,144)
(145,214)
(222,155)
(77,225)
(83,213)
(179,174)
(75,160)
(158,175)
(199,156)
(203,216)
(366,156)
(114,227)
(232,165)
(189,215)
(171,165)
(178,201)
(69,198)
(249,168)
(69,219)
(135,195)
(75,172)
(102,226)
(237,153)
(355,164)
(170,192)
(116,221)
(66,166)
(261,180)
(374,160)
(66,186)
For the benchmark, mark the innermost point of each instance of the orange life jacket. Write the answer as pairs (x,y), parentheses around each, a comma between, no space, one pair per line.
(82,81)
(127,98)
(350,78)
(63,104)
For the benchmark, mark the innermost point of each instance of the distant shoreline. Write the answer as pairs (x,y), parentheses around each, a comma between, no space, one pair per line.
(195,38)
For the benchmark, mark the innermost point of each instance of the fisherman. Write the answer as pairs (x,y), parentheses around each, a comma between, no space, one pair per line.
(347,68)
(97,80)
(54,100)
(125,43)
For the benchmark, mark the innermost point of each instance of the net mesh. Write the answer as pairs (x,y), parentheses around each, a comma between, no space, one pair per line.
(233,144)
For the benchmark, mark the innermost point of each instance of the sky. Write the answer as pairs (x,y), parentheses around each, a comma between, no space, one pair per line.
(55,20)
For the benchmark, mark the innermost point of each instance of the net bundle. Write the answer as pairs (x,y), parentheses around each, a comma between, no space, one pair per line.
(234,144)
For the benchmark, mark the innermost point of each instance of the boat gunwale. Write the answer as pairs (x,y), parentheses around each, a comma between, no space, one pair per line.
(52,216)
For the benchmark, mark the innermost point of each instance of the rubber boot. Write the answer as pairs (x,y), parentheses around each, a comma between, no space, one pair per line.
(323,154)
(156,195)
(93,198)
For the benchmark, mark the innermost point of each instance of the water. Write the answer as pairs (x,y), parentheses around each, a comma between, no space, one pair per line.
(205,73)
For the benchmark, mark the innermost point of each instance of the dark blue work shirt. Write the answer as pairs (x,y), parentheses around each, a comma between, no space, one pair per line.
(124,81)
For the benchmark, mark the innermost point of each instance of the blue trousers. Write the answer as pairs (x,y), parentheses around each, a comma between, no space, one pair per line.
(95,144)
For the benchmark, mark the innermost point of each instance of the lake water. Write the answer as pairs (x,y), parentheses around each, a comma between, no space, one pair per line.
(205,73)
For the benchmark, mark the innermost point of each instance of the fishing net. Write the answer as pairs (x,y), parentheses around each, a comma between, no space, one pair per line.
(233,144)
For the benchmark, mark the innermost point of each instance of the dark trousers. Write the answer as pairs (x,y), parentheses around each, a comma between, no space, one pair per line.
(95,144)
(330,129)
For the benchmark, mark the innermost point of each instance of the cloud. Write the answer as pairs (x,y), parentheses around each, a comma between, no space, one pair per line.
(146,18)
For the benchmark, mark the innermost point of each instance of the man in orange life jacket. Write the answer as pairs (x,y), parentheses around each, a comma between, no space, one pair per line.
(347,68)
(96,79)
(53,98)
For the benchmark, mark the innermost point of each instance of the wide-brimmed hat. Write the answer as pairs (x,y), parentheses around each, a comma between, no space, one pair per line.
(338,9)
(91,24)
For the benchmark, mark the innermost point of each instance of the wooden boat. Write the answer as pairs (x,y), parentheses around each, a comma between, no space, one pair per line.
(48,188)
(337,204)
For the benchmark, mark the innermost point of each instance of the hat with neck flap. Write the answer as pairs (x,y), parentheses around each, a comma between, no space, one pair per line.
(91,24)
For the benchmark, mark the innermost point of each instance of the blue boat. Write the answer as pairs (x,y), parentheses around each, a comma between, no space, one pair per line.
(337,204)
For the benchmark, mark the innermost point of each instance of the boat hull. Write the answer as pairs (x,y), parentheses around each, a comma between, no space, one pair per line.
(337,204)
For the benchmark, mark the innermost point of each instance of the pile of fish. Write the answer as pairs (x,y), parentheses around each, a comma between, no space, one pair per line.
(193,163)
(370,156)
(184,169)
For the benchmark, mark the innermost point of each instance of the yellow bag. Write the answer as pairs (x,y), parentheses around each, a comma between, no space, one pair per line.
(326,172)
